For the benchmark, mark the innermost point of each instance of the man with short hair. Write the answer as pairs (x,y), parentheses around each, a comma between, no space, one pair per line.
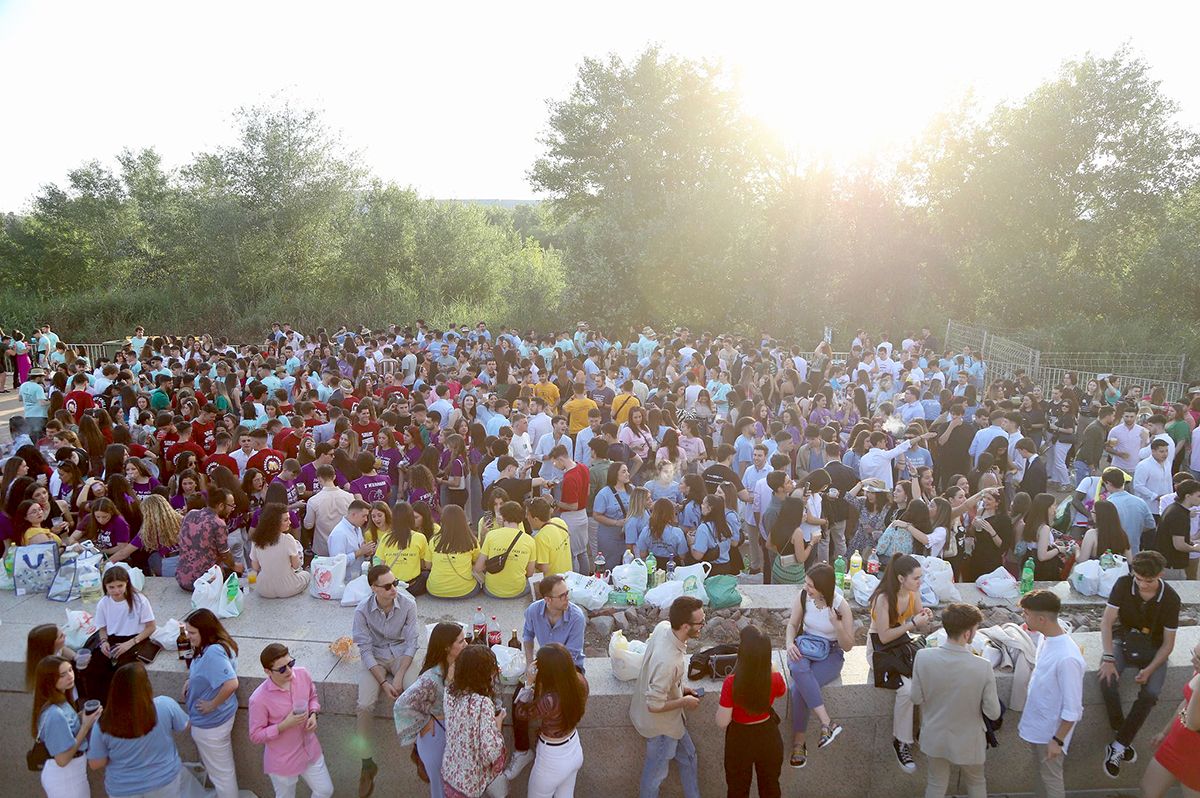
(660,700)
(1125,441)
(582,451)
(551,538)
(956,690)
(347,538)
(204,540)
(387,634)
(1173,538)
(325,510)
(1034,480)
(574,493)
(1152,477)
(1137,631)
(877,462)
(1055,697)
(1135,515)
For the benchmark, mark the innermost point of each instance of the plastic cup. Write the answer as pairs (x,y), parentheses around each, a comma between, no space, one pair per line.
(90,706)
(82,657)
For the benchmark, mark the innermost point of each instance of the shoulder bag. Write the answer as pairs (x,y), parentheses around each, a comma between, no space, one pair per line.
(813,648)
(494,565)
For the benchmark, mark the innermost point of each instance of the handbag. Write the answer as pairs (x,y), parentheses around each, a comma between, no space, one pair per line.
(813,648)
(494,565)
(894,660)
(37,757)
(34,567)
(713,661)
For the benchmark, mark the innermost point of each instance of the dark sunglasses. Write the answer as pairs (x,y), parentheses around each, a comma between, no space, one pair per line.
(285,668)
(388,586)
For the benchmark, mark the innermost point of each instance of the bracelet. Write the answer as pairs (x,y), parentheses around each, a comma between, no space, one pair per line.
(1108,658)
(1059,742)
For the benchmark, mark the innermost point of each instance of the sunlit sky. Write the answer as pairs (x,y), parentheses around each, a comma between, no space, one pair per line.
(450,97)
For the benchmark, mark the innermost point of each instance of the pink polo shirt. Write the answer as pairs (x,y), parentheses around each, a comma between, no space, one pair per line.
(290,752)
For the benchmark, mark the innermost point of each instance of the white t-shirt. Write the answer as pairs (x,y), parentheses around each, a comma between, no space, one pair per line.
(1055,691)
(937,541)
(820,622)
(116,618)
(813,505)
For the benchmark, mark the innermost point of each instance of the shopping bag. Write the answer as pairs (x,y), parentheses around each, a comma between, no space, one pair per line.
(1109,576)
(939,574)
(1085,578)
(663,595)
(699,570)
(863,585)
(632,575)
(136,577)
(999,584)
(167,634)
(929,596)
(722,591)
(626,656)
(206,591)
(588,592)
(328,577)
(232,598)
(357,589)
(34,567)
(80,626)
(511,662)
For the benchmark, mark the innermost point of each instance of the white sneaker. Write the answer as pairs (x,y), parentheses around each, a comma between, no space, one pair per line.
(520,760)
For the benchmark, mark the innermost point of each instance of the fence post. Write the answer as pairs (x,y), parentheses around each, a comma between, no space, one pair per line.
(1182,361)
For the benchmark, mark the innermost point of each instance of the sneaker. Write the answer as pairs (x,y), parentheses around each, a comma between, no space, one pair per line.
(520,760)
(1130,755)
(1113,761)
(904,757)
(829,734)
(799,756)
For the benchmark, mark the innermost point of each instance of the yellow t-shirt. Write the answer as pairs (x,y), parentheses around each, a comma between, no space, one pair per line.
(553,544)
(624,404)
(34,531)
(549,392)
(451,575)
(510,582)
(577,413)
(405,563)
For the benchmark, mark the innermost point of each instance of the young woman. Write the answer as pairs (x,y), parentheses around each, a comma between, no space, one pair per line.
(124,619)
(44,640)
(210,691)
(188,483)
(665,485)
(156,546)
(121,494)
(752,742)
(474,753)
(896,611)
(640,440)
(560,695)
(1048,555)
(693,491)
(105,527)
(134,740)
(611,510)
(907,534)
(62,729)
(821,610)
(451,573)
(140,479)
(989,536)
(456,471)
(662,537)
(28,528)
(401,547)
(639,517)
(875,512)
(787,539)
(1106,534)
(715,540)
(419,713)
(422,489)
(277,556)
(1177,755)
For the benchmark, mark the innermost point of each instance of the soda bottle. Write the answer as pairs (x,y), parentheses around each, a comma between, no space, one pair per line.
(600,563)
(855,564)
(1027,577)
(513,642)
(1107,560)
(184,644)
(671,568)
(10,560)
(873,564)
(479,627)
(493,632)
(839,571)
(651,566)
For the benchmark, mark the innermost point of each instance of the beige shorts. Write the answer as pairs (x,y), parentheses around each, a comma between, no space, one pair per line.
(369,689)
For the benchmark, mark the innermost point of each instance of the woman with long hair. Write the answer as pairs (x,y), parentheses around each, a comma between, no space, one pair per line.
(44,640)
(496,497)
(559,699)
(134,739)
(896,611)
(156,546)
(141,480)
(1105,534)
(818,610)
(610,510)
(104,526)
(715,540)
(276,555)
(989,535)
(402,547)
(456,471)
(1048,556)
(210,690)
(187,483)
(419,713)
(639,517)
(796,553)
(692,490)
(752,742)
(661,537)
(475,752)
(59,727)
(124,620)
(640,440)
(120,492)
(451,573)
(907,534)
(875,512)
(422,488)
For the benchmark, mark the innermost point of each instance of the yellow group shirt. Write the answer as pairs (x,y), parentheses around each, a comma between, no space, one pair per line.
(510,582)
(549,392)
(624,405)
(451,575)
(553,544)
(405,563)
(577,413)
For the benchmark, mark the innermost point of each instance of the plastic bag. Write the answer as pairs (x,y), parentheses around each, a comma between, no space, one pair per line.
(1109,576)
(587,591)
(357,589)
(136,577)
(328,577)
(722,591)
(699,570)
(939,574)
(632,575)
(999,584)
(167,634)
(206,591)
(34,567)
(511,662)
(626,659)
(80,626)
(1085,578)
(664,594)
(863,585)
(65,586)
(929,596)
(232,598)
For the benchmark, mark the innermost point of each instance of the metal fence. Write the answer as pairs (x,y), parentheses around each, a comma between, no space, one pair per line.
(1139,365)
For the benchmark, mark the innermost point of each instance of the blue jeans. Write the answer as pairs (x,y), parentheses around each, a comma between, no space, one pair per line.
(1127,726)
(430,748)
(1081,470)
(659,753)
(807,680)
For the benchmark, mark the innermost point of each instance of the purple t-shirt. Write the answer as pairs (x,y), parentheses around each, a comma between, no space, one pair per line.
(391,459)
(376,488)
(144,489)
(293,488)
(114,533)
(179,501)
(308,478)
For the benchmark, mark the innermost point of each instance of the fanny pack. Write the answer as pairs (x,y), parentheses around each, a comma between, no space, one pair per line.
(813,648)
(495,565)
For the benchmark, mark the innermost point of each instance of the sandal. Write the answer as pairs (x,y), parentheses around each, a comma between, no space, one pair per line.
(829,734)
(799,756)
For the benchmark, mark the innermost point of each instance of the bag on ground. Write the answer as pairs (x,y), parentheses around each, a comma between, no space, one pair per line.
(206,591)
(232,598)
(34,567)
(626,656)
(511,662)
(631,575)
(587,591)
(1085,578)
(167,634)
(722,591)
(1109,576)
(80,626)
(663,595)
(358,589)
(863,585)
(999,584)
(328,577)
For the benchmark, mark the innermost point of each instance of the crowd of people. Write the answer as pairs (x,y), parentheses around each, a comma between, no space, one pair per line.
(460,462)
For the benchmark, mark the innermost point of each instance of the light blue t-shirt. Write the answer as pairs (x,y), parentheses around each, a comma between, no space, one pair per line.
(671,544)
(661,491)
(635,525)
(607,503)
(706,538)
(209,671)
(57,726)
(32,394)
(144,763)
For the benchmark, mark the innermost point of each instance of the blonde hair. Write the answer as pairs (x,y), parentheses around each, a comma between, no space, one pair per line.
(160,523)
(639,501)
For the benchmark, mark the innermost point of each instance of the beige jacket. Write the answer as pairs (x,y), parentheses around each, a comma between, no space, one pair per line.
(954,689)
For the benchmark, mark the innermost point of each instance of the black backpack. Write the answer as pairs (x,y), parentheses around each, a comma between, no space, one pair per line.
(716,662)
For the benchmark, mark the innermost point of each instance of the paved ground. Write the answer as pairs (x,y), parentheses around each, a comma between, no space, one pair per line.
(10,406)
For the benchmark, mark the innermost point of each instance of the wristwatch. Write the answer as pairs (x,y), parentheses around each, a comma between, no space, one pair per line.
(1059,742)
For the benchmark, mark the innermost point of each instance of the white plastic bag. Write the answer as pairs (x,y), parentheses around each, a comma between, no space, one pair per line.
(328,577)
(511,662)
(694,587)
(588,592)
(167,634)
(80,626)
(1085,578)
(699,570)
(136,577)
(1109,576)
(663,595)
(232,598)
(206,591)
(863,585)
(999,584)
(939,574)
(929,597)
(626,658)
(357,589)
(632,575)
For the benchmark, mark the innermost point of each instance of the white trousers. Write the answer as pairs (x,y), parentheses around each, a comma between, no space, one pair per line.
(1058,464)
(316,776)
(68,782)
(216,752)
(555,768)
(902,716)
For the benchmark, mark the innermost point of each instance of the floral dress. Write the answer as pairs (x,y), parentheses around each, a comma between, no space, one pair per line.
(418,704)
(474,746)
(870,524)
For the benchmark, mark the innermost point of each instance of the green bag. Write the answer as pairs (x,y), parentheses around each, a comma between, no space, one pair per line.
(722,591)
(1063,515)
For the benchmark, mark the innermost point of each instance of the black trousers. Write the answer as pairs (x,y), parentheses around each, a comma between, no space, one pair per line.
(753,750)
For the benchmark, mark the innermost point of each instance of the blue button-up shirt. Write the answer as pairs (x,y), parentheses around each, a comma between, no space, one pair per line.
(568,631)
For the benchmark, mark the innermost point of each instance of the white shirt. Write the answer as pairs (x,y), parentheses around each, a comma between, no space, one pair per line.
(1194,460)
(1152,479)
(1055,691)
(520,449)
(937,541)
(117,619)
(820,622)
(241,458)
(583,452)
(690,394)
(1129,443)
(1162,436)
(813,506)
(544,445)
(877,463)
(751,477)
(539,425)
(346,538)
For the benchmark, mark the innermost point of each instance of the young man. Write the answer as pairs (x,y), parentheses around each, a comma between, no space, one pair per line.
(79,399)
(1034,479)
(325,510)
(204,540)
(572,504)
(1137,631)
(1152,477)
(751,511)
(1125,441)
(954,687)
(582,452)
(347,538)
(542,447)
(1055,702)
(578,408)
(551,537)
(34,403)
(1173,538)
(221,457)
(662,700)
(267,460)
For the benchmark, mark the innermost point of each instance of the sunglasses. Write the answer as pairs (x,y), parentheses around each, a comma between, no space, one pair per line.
(388,586)
(285,668)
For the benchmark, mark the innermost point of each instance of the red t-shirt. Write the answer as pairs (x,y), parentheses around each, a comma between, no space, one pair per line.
(205,436)
(368,434)
(575,486)
(287,440)
(740,715)
(76,402)
(391,389)
(268,461)
(179,448)
(220,460)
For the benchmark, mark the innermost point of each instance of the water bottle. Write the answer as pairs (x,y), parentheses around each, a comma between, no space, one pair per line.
(600,563)
(627,557)
(479,627)
(651,565)
(671,567)
(839,571)
(1107,560)
(1027,577)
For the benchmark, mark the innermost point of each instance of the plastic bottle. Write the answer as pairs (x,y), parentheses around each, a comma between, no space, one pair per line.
(855,564)
(232,590)
(671,568)
(873,564)
(1107,560)
(493,632)
(651,566)
(599,564)
(479,626)
(627,557)
(1027,577)
(10,559)
(839,571)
